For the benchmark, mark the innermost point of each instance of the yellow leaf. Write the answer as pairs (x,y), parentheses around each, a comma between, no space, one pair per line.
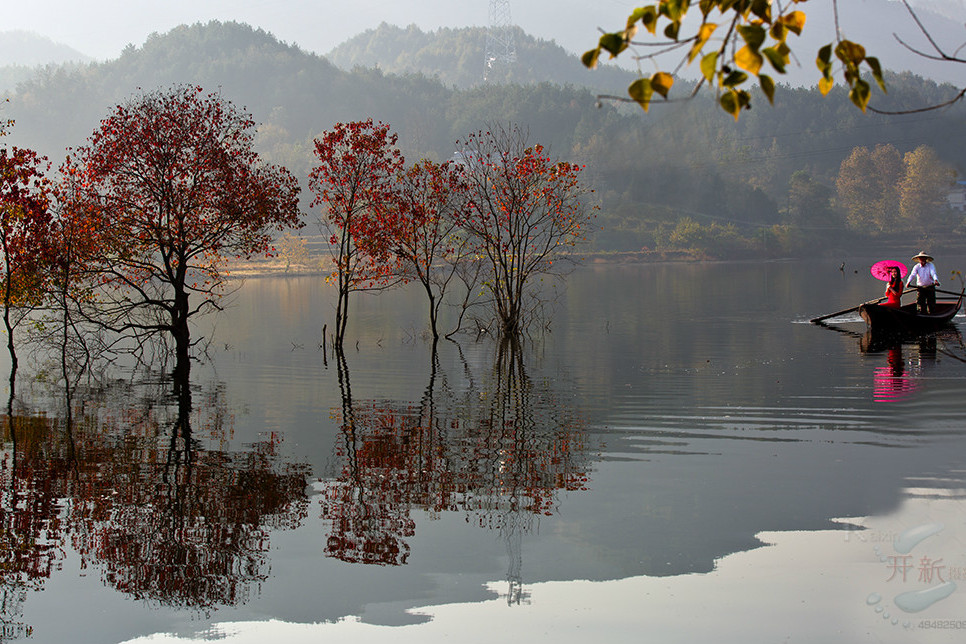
(706,30)
(709,65)
(825,85)
(749,59)
(703,35)
(795,21)
(661,82)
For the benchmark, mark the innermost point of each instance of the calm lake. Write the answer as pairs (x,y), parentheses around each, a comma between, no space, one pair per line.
(682,458)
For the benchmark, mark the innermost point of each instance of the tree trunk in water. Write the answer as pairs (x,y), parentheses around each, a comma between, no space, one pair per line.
(14,362)
(182,337)
(341,316)
(432,313)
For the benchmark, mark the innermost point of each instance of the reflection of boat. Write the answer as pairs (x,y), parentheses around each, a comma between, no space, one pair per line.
(906,319)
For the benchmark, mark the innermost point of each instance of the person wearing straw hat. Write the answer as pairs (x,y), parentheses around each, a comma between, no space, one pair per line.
(926,282)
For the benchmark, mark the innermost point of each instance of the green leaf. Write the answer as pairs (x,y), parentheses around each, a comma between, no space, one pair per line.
(675,9)
(762,9)
(637,14)
(648,18)
(877,72)
(734,78)
(824,58)
(778,31)
(709,65)
(613,43)
(641,91)
(850,52)
(860,94)
(775,58)
(753,35)
(767,87)
(590,58)
(671,31)
(729,103)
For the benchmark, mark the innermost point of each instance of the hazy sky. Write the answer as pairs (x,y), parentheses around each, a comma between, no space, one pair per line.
(102,28)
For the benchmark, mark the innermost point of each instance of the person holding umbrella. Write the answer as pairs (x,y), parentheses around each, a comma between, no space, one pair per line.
(892,272)
(893,289)
(926,282)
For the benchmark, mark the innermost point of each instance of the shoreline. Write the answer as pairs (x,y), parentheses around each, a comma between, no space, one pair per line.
(270,268)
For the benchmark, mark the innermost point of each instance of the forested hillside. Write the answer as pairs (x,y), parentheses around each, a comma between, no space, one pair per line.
(455,58)
(684,176)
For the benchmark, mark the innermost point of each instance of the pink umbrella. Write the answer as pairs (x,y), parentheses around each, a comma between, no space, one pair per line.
(880,270)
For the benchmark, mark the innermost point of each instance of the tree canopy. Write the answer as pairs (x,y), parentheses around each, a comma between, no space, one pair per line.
(174,186)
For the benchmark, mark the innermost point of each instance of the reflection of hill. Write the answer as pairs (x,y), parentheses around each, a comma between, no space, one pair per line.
(499,452)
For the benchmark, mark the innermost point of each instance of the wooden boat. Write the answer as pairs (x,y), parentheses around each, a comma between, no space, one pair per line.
(906,319)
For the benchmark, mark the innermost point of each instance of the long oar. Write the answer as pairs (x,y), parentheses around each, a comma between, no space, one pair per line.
(947,292)
(854,308)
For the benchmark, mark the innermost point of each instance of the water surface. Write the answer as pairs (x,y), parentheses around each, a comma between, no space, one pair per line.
(682,455)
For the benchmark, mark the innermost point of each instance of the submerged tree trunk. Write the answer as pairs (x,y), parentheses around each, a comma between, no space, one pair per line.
(182,336)
(14,362)
(341,315)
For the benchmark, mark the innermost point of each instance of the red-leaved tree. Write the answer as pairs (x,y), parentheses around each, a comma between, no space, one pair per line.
(24,237)
(178,188)
(527,212)
(433,248)
(353,183)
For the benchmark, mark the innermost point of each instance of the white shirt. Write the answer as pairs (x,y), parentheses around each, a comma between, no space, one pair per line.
(925,275)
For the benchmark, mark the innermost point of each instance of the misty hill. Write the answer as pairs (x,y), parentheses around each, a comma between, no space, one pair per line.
(293,94)
(455,58)
(21,53)
(29,49)
(681,160)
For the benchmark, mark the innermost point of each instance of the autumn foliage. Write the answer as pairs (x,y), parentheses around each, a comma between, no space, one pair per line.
(353,183)
(508,208)
(526,210)
(172,184)
(24,234)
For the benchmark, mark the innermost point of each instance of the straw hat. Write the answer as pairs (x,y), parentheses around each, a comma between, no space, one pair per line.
(923,255)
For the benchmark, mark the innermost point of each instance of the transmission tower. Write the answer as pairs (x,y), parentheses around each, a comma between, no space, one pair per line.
(500,50)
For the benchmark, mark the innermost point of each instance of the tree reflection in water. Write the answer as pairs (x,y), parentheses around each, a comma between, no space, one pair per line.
(126,480)
(498,448)
(31,522)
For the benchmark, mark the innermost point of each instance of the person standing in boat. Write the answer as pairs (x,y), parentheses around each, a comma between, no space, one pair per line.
(926,282)
(894,289)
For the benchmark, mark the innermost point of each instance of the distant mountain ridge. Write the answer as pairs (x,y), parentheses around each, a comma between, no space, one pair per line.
(456,58)
(29,49)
